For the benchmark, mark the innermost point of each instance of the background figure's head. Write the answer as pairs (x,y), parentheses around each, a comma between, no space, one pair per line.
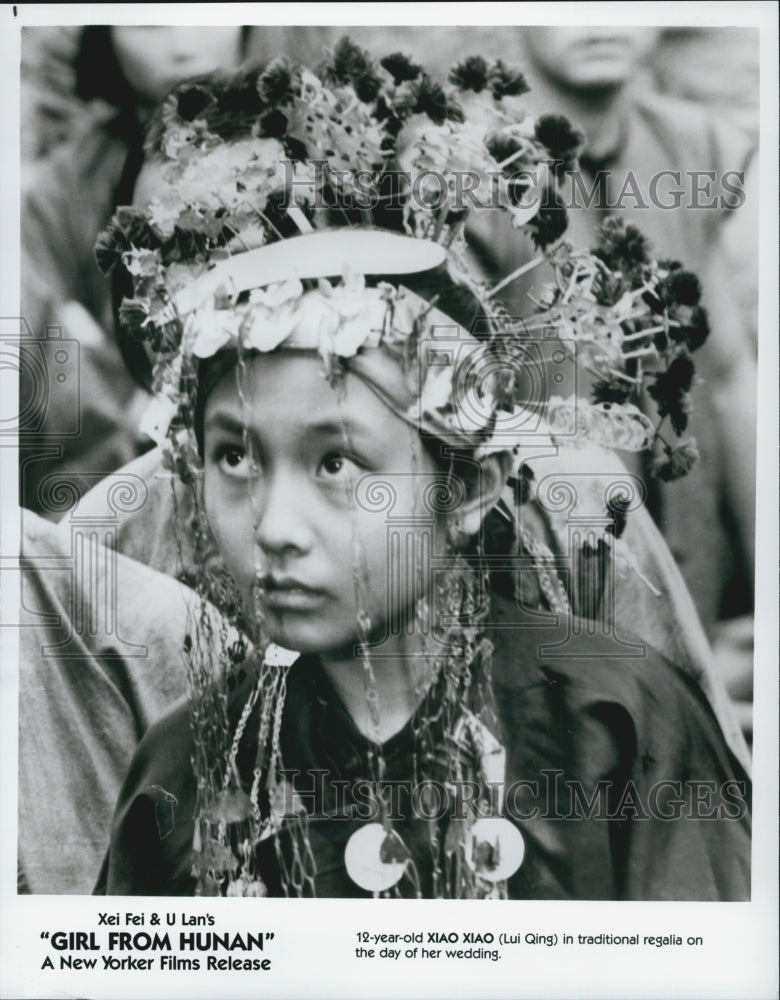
(588,59)
(134,66)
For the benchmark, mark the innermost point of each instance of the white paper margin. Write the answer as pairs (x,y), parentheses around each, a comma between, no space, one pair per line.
(313,951)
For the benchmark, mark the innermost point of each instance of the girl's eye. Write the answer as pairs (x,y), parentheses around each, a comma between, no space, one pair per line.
(233,460)
(334,465)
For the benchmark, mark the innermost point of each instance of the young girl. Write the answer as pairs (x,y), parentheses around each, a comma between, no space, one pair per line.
(360,411)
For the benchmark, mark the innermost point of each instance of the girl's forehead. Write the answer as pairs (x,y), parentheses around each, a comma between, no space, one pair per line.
(290,390)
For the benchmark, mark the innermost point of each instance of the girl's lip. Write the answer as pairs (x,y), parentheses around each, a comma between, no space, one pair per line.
(287,592)
(292,599)
(283,583)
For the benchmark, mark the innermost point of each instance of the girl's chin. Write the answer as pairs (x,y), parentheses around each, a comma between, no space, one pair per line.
(304,631)
(293,632)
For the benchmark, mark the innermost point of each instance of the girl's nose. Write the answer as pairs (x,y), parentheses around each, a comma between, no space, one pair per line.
(280,516)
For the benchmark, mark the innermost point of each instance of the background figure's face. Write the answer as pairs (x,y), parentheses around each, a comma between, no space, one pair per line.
(300,515)
(153,58)
(584,58)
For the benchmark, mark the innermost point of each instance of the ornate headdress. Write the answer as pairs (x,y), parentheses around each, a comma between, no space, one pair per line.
(329,211)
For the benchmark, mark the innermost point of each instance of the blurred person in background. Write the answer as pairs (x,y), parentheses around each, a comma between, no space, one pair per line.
(95,671)
(88,412)
(677,173)
(69,74)
(717,67)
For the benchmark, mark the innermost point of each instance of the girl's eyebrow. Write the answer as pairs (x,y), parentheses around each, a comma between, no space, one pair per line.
(337,427)
(225,422)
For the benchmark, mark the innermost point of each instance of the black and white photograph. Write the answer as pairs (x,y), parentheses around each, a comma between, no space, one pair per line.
(389,490)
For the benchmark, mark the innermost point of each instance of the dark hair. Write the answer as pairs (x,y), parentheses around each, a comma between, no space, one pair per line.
(132,351)
(497,536)
(97,69)
(455,300)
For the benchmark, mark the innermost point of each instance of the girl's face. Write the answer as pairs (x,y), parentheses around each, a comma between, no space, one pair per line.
(317,493)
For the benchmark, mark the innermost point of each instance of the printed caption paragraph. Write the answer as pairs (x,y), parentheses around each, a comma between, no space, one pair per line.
(489,946)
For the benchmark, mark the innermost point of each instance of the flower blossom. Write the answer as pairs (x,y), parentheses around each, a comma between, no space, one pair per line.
(361,315)
(272,315)
(209,329)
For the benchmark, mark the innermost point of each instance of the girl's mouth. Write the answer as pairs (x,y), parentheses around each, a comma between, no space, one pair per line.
(287,593)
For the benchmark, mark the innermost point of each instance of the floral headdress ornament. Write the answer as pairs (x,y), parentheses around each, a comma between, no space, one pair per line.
(316,182)
(353,144)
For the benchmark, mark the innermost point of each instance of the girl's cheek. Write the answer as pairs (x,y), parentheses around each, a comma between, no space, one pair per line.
(230,523)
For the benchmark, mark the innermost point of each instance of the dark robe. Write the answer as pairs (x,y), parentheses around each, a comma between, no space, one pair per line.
(617,776)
